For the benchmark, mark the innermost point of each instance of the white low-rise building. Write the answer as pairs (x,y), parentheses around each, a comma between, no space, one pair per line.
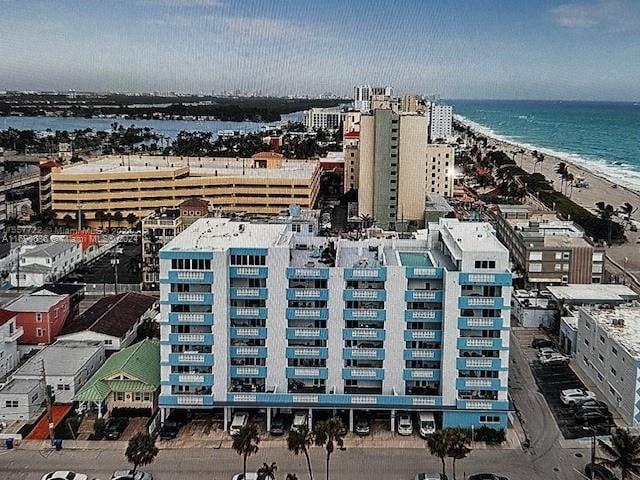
(48,262)
(22,400)
(608,352)
(9,334)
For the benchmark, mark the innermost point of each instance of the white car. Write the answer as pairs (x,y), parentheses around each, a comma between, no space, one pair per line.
(129,475)
(239,420)
(545,352)
(64,475)
(250,476)
(554,359)
(576,395)
(405,425)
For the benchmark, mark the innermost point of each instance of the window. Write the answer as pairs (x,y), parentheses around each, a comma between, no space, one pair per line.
(587,325)
(601,339)
(137,396)
(600,357)
(558,255)
(586,342)
(108,342)
(146,396)
(11,404)
(120,396)
(38,317)
(489,419)
(535,255)
(39,332)
(614,350)
(613,370)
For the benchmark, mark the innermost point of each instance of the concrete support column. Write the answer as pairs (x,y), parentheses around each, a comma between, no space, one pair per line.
(226,417)
(310,419)
(351,420)
(393,421)
(163,414)
(99,405)
(268,419)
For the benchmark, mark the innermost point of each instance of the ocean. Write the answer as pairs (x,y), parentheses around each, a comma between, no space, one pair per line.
(601,136)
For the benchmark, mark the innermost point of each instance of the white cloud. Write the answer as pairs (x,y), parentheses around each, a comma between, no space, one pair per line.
(616,15)
(262,27)
(574,15)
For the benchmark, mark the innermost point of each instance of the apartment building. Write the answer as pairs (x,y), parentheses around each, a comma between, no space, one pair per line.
(317,323)
(608,353)
(41,316)
(46,262)
(362,96)
(351,149)
(440,122)
(157,230)
(323,118)
(398,168)
(266,183)
(408,103)
(10,332)
(548,251)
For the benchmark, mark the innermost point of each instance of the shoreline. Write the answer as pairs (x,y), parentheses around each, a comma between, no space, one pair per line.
(600,187)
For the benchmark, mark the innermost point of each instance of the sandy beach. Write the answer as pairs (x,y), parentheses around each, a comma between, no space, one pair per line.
(599,189)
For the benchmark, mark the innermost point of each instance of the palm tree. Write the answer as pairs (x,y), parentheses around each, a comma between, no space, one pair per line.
(569,179)
(292,476)
(245,443)
(623,453)
(141,450)
(99,217)
(267,472)
(627,210)
(329,434)
(366,220)
(131,219)
(458,446)
(539,160)
(606,212)
(299,441)
(68,220)
(118,217)
(561,169)
(108,217)
(438,445)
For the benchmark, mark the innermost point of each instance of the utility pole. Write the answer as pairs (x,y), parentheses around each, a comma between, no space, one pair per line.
(48,394)
(115,261)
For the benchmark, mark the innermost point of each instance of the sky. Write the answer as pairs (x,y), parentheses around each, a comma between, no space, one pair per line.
(503,49)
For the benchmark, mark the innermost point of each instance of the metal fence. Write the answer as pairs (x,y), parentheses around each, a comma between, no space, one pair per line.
(110,288)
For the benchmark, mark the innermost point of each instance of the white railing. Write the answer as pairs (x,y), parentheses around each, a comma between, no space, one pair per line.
(423,314)
(357,313)
(306,332)
(363,373)
(364,333)
(248,292)
(304,272)
(479,322)
(247,312)
(424,271)
(252,351)
(363,399)
(307,312)
(191,357)
(363,353)
(244,397)
(248,271)
(190,378)
(247,371)
(423,294)
(191,337)
(428,334)
(479,342)
(486,301)
(307,372)
(421,373)
(423,401)
(364,294)
(477,382)
(478,362)
(190,275)
(306,293)
(422,354)
(482,277)
(190,400)
(478,405)
(191,297)
(305,398)
(312,352)
(247,332)
(191,317)
(362,272)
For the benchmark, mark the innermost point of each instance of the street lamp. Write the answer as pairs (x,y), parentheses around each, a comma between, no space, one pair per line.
(593,450)
(115,261)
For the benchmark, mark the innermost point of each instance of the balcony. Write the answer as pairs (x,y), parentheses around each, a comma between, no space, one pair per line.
(482,343)
(480,323)
(203,379)
(431,335)
(479,384)
(248,312)
(307,352)
(377,295)
(423,315)
(479,363)
(248,272)
(307,294)
(307,273)
(424,272)
(479,404)
(191,319)
(376,334)
(191,338)
(307,314)
(13,336)
(307,373)
(248,332)
(377,274)
(186,400)
(245,293)
(363,353)
(190,276)
(422,354)
(430,374)
(423,296)
(361,373)
(248,372)
(481,302)
(185,298)
(364,314)
(191,359)
(498,279)
(303,333)
(248,352)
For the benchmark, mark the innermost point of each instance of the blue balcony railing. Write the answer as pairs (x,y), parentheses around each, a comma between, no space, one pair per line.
(248,332)
(190,298)
(247,352)
(377,295)
(189,276)
(425,335)
(418,374)
(434,354)
(248,312)
(307,294)
(424,272)
(248,272)
(191,338)
(307,273)
(480,323)
(479,384)
(362,373)
(502,279)
(373,274)
(187,401)
(191,359)
(307,352)
(423,315)
(481,302)
(307,373)
(190,319)
(248,372)
(480,343)
(423,296)
(303,333)
(374,334)
(363,353)
(204,379)
(364,314)
(307,314)
(247,293)
(479,363)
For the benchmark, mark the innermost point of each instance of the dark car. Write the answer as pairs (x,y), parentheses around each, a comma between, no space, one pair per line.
(591,404)
(593,417)
(114,428)
(486,476)
(169,430)
(278,425)
(363,426)
(542,343)
(600,472)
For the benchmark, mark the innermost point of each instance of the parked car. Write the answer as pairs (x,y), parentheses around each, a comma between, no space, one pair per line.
(600,472)
(591,404)
(169,430)
(431,476)
(64,475)
(114,428)
(238,421)
(426,424)
(554,360)
(300,419)
(486,476)
(363,425)
(593,417)
(278,425)
(542,343)
(546,351)
(129,475)
(405,425)
(573,395)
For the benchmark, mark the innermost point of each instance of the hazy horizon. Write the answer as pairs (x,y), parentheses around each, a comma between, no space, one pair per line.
(578,50)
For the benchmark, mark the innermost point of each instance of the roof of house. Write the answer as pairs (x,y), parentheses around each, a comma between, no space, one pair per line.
(113,315)
(194,202)
(20,386)
(34,268)
(51,249)
(352,134)
(6,315)
(139,363)
(34,303)
(62,288)
(267,155)
(60,359)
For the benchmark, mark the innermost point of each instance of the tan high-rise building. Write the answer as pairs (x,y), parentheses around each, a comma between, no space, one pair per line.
(408,103)
(398,168)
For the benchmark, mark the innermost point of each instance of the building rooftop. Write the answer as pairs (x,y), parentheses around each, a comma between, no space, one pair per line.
(113,315)
(164,214)
(60,289)
(34,303)
(51,249)
(469,236)
(593,292)
(20,386)
(60,358)
(223,233)
(5,316)
(621,323)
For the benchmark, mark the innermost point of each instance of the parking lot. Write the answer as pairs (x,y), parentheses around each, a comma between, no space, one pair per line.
(551,380)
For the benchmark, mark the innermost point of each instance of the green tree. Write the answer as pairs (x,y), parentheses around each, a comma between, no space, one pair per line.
(606,213)
(329,434)
(299,440)
(622,453)
(561,169)
(438,445)
(141,450)
(118,217)
(245,443)
(132,219)
(267,472)
(458,447)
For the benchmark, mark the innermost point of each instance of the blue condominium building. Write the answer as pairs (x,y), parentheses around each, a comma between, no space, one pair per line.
(257,316)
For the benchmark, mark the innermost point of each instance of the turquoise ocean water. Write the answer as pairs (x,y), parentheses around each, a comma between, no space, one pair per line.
(601,136)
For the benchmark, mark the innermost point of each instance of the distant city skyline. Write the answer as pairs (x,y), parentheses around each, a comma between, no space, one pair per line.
(573,50)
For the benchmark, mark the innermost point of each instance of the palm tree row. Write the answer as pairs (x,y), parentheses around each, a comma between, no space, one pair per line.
(449,442)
